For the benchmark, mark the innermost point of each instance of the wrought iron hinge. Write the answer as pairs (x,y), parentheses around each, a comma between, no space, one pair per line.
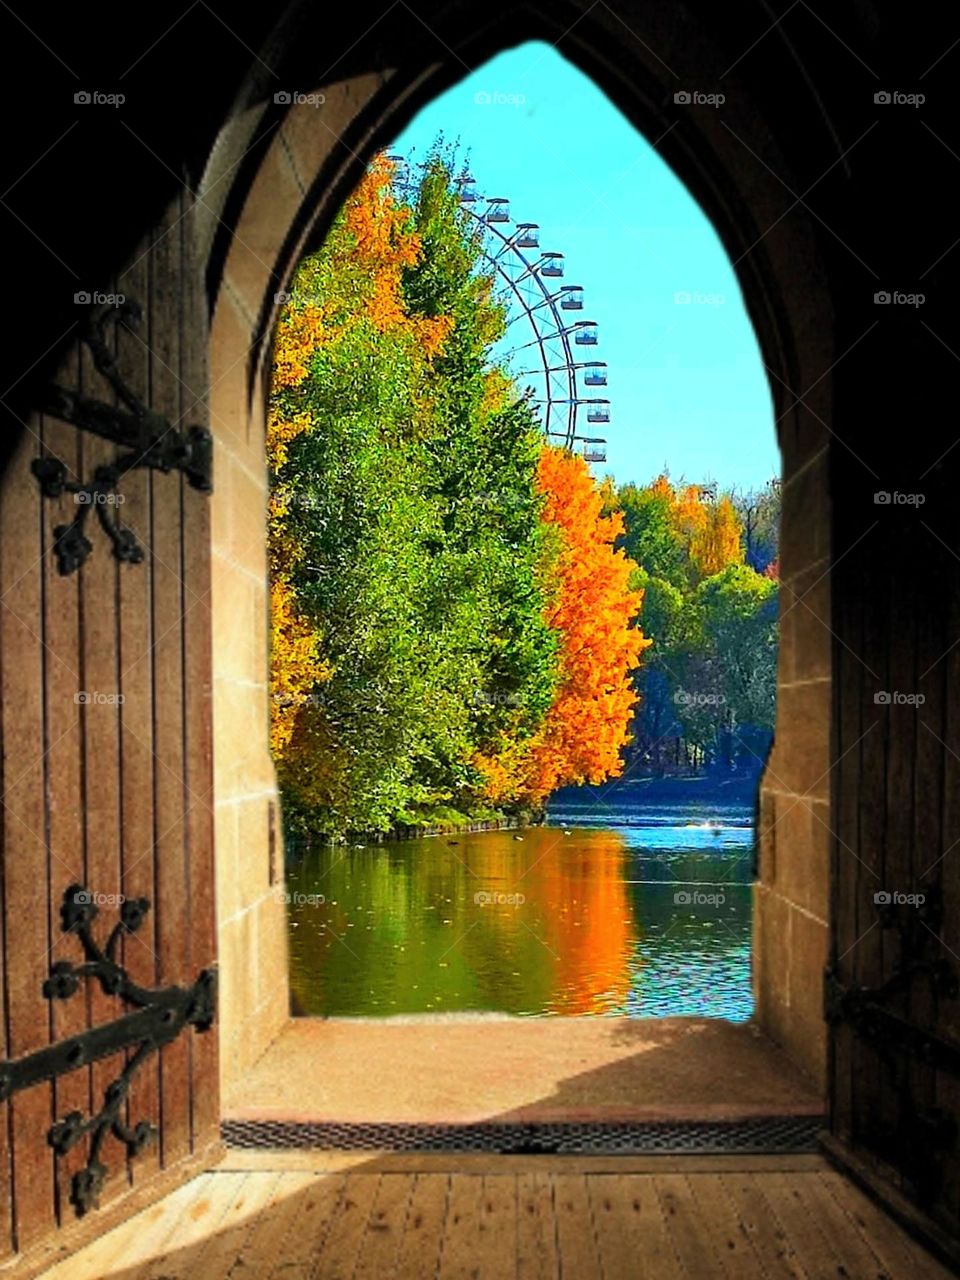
(151,439)
(917,928)
(160,1015)
(861,1009)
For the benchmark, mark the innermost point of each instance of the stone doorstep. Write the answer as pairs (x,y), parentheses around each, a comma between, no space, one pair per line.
(521,1071)
(534,1115)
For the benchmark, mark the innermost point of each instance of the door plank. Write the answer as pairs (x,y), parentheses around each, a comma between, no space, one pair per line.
(64,785)
(139,951)
(198,692)
(26,870)
(100,728)
(173,910)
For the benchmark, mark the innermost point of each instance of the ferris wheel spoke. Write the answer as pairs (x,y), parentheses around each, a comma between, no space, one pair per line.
(559,383)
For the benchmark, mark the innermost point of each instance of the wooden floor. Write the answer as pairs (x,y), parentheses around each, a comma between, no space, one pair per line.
(277,1216)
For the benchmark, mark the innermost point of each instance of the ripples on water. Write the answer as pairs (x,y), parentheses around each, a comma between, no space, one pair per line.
(569,919)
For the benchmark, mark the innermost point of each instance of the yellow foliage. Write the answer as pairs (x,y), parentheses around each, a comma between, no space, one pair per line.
(296,664)
(721,541)
(711,531)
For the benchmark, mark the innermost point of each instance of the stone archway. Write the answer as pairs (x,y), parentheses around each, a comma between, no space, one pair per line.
(275,180)
(826,189)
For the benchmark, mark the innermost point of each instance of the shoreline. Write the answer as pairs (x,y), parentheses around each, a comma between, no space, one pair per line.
(634,791)
(360,839)
(693,790)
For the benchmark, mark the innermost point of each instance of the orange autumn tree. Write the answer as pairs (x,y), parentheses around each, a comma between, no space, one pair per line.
(357,279)
(593,610)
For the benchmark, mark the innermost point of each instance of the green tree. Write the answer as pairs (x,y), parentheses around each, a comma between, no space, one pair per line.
(409,517)
(708,685)
(650,534)
(739,621)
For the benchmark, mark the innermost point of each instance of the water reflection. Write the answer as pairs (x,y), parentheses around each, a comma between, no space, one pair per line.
(637,920)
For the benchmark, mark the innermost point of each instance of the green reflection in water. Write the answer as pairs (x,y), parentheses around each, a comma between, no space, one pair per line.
(584,923)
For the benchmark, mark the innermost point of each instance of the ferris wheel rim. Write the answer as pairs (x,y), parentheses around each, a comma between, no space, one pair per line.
(556,408)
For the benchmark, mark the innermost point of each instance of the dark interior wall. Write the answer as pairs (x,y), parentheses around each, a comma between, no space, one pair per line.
(81,181)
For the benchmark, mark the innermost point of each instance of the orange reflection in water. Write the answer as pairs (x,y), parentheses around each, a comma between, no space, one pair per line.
(591,928)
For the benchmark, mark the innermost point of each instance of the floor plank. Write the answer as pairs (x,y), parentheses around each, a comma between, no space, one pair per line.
(731,1240)
(689,1232)
(508,1222)
(806,1241)
(351,1217)
(197,1224)
(632,1235)
(497,1228)
(899,1254)
(761,1225)
(844,1239)
(219,1254)
(139,1237)
(388,1217)
(537,1256)
(274,1222)
(323,1161)
(419,1253)
(575,1226)
(304,1250)
(458,1257)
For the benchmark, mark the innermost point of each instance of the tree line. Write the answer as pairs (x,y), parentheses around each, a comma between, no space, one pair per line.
(709,573)
(464,619)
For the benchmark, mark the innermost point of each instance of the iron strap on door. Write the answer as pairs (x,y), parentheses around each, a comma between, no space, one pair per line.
(161,1014)
(152,440)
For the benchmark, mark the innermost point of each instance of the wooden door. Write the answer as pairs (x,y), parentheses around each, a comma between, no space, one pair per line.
(891,991)
(105,723)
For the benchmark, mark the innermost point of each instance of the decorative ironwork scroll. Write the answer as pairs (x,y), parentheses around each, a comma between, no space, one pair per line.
(152,441)
(159,1017)
(916,1140)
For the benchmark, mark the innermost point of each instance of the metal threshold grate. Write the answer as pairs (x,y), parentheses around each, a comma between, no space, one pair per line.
(756,1136)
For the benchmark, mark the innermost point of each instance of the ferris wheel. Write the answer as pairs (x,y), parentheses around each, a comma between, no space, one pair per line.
(547,345)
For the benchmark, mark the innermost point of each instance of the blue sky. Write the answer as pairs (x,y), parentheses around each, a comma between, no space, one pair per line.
(686,382)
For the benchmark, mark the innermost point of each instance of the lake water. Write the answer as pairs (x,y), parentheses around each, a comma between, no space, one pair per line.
(642,912)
